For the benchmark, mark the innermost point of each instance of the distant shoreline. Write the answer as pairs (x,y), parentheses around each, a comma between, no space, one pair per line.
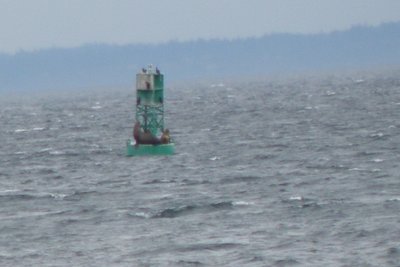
(103,66)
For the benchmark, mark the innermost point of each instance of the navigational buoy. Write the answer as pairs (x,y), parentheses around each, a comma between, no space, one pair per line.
(149,135)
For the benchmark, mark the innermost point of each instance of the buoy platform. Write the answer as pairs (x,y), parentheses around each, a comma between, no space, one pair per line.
(149,150)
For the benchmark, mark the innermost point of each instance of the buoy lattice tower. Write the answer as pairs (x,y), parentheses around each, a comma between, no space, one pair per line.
(150,138)
(150,100)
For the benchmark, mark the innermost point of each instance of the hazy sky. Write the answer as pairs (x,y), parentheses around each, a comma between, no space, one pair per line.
(37,24)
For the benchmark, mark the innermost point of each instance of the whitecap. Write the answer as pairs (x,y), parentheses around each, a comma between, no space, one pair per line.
(9,191)
(296,198)
(205,130)
(142,215)
(45,149)
(56,152)
(329,93)
(377,135)
(378,160)
(38,129)
(214,158)
(58,196)
(96,107)
(242,203)
(20,130)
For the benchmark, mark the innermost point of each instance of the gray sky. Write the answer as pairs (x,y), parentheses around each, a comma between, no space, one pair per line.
(37,24)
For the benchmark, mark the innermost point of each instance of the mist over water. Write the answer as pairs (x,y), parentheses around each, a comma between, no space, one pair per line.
(296,172)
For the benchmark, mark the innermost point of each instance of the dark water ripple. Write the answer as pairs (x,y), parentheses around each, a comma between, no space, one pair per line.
(296,172)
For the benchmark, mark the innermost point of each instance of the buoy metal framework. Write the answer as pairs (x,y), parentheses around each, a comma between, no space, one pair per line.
(150,115)
(150,100)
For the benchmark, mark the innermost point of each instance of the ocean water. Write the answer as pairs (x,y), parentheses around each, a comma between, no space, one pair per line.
(283,172)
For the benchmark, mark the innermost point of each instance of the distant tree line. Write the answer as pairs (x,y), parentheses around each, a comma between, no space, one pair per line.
(101,65)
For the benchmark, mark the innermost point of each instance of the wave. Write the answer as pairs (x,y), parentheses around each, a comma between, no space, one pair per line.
(159,181)
(242,203)
(303,202)
(189,263)
(394,199)
(190,209)
(175,212)
(52,152)
(21,130)
(240,179)
(141,214)
(194,182)
(32,195)
(286,262)
(393,252)
(30,214)
(38,129)
(78,195)
(28,195)
(210,246)
(24,130)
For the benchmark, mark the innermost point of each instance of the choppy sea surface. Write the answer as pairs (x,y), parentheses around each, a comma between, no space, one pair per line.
(296,172)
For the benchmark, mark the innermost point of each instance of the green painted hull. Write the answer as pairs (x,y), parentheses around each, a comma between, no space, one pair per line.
(149,150)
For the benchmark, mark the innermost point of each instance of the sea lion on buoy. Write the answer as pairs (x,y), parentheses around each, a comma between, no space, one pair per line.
(149,139)
(136,132)
(165,138)
(145,138)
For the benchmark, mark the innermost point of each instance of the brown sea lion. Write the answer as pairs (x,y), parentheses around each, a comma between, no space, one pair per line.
(136,132)
(148,138)
(145,137)
(165,138)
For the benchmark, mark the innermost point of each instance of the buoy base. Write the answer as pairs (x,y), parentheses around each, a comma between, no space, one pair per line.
(149,150)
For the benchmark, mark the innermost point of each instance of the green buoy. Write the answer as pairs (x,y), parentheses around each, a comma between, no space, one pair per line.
(150,136)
